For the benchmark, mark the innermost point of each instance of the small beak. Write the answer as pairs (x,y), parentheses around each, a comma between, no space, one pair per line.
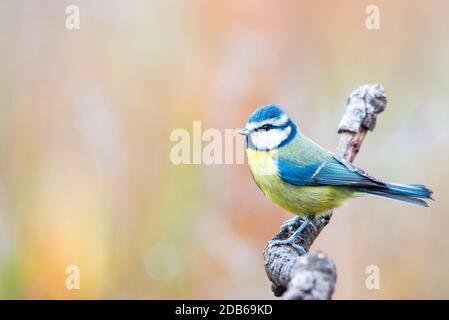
(244,131)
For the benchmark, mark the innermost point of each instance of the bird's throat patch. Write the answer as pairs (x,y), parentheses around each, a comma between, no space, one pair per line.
(262,163)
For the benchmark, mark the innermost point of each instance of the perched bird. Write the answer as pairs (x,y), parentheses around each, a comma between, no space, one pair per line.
(305,179)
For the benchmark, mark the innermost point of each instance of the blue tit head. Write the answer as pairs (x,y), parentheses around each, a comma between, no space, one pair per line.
(268,128)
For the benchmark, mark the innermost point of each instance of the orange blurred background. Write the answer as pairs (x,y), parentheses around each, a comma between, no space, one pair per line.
(85,119)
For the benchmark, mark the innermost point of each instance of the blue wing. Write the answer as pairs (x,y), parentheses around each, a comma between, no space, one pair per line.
(333,171)
(314,166)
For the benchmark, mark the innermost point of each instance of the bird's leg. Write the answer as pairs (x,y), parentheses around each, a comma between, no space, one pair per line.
(294,223)
(311,219)
(292,239)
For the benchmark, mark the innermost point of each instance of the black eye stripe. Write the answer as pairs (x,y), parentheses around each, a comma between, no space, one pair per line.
(270,126)
(282,126)
(265,127)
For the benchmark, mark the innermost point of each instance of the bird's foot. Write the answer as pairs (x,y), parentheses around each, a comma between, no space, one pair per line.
(291,242)
(313,226)
(293,223)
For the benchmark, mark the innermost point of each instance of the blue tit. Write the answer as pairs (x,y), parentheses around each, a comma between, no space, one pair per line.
(303,178)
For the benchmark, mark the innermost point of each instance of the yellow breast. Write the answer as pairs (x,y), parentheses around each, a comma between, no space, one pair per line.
(261,163)
(299,200)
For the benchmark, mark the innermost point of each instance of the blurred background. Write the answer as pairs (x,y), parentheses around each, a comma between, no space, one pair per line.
(85,120)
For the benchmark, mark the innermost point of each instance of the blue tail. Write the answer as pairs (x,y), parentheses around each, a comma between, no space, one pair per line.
(412,193)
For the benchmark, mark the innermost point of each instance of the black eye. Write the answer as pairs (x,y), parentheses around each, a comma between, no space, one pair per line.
(264,128)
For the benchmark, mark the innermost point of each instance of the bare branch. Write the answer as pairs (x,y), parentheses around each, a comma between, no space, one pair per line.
(313,275)
(363,106)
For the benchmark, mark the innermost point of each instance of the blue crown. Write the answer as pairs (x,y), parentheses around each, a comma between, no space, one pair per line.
(270,111)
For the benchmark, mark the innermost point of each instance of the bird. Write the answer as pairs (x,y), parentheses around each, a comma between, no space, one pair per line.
(305,179)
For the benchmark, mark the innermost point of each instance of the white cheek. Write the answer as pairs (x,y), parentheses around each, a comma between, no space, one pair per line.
(269,139)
